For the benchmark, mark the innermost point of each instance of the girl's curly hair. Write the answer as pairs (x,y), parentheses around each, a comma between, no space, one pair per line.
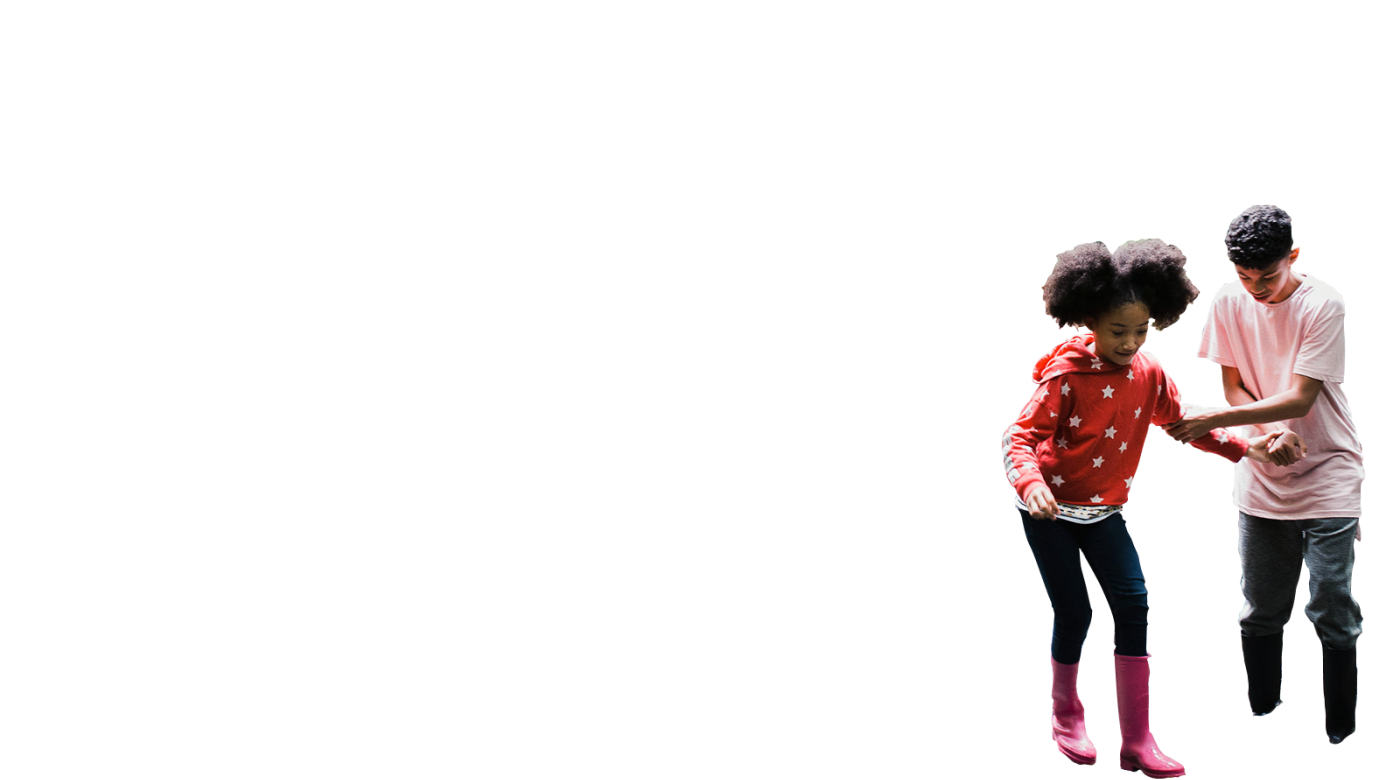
(1088,281)
(1259,236)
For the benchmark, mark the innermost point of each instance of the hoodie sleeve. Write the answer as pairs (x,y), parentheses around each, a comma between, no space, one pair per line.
(1221,441)
(1036,424)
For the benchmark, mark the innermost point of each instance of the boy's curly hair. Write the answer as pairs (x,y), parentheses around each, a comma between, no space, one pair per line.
(1259,237)
(1088,281)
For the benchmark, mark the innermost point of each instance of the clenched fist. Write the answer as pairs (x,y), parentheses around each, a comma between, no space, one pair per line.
(1040,503)
(1259,447)
(1288,448)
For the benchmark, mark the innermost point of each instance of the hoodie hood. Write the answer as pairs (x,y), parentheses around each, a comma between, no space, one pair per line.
(1075,356)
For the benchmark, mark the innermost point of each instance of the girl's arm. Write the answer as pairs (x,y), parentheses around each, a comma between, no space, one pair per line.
(1036,424)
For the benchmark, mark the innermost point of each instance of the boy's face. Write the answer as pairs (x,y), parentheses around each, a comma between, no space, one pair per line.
(1119,334)
(1272,284)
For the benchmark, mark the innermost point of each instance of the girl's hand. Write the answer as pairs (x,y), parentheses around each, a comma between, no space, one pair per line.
(1259,447)
(1042,503)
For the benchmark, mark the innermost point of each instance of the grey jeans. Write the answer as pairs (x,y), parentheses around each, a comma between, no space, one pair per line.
(1272,553)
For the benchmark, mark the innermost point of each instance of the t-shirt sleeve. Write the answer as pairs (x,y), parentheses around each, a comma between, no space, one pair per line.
(1215,342)
(1323,353)
(1035,424)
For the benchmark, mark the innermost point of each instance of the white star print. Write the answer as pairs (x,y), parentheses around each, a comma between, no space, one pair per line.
(1130,374)
(1108,434)
(1108,391)
(1043,395)
(1074,422)
(1221,436)
(1064,389)
(1137,413)
(1097,363)
(1062,442)
(1058,480)
(1054,414)
(1096,499)
(1098,462)
(1124,447)
(1128,481)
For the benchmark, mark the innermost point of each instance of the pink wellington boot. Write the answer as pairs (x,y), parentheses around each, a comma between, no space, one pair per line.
(1139,748)
(1067,715)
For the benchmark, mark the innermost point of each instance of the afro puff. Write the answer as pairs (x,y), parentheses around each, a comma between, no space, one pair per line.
(1082,281)
(1259,237)
(1088,281)
(1155,273)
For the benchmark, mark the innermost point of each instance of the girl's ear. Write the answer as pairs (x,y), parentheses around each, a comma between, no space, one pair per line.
(1090,323)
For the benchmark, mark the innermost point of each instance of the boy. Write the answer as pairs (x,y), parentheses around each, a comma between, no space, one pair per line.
(1278,338)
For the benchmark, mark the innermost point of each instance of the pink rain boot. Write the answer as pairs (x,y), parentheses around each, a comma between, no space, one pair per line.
(1139,748)
(1067,715)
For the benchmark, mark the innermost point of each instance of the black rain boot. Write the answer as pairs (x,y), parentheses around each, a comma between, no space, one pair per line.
(1263,663)
(1339,691)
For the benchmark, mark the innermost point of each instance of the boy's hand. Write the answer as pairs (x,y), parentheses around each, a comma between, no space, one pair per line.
(1042,503)
(1287,449)
(1259,447)
(1193,426)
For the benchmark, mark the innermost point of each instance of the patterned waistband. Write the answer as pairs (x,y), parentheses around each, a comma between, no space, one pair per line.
(1078,513)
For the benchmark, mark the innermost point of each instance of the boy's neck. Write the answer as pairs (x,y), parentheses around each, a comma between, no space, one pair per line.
(1295,280)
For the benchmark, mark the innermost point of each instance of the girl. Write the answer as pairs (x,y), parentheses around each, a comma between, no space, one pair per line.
(1072,456)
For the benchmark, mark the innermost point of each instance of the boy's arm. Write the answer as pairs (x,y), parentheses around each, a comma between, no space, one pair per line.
(1289,447)
(1294,402)
(1222,442)
(1290,405)
(1238,395)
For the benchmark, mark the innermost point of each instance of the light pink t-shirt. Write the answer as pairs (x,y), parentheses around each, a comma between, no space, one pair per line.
(1269,343)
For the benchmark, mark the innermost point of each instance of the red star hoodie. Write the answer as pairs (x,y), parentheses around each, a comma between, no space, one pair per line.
(1083,429)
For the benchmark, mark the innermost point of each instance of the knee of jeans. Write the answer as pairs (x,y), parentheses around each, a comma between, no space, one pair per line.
(1069,637)
(1130,609)
(1337,637)
(1254,624)
(1329,585)
(1076,620)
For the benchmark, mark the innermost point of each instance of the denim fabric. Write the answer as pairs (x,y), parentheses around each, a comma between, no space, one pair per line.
(1272,553)
(1114,561)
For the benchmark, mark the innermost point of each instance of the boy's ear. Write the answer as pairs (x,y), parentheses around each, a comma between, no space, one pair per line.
(1292,256)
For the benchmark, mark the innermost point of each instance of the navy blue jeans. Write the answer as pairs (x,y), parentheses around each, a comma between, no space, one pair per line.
(1110,552)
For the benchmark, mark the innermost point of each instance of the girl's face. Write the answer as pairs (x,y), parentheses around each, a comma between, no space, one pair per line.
(1119,333)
